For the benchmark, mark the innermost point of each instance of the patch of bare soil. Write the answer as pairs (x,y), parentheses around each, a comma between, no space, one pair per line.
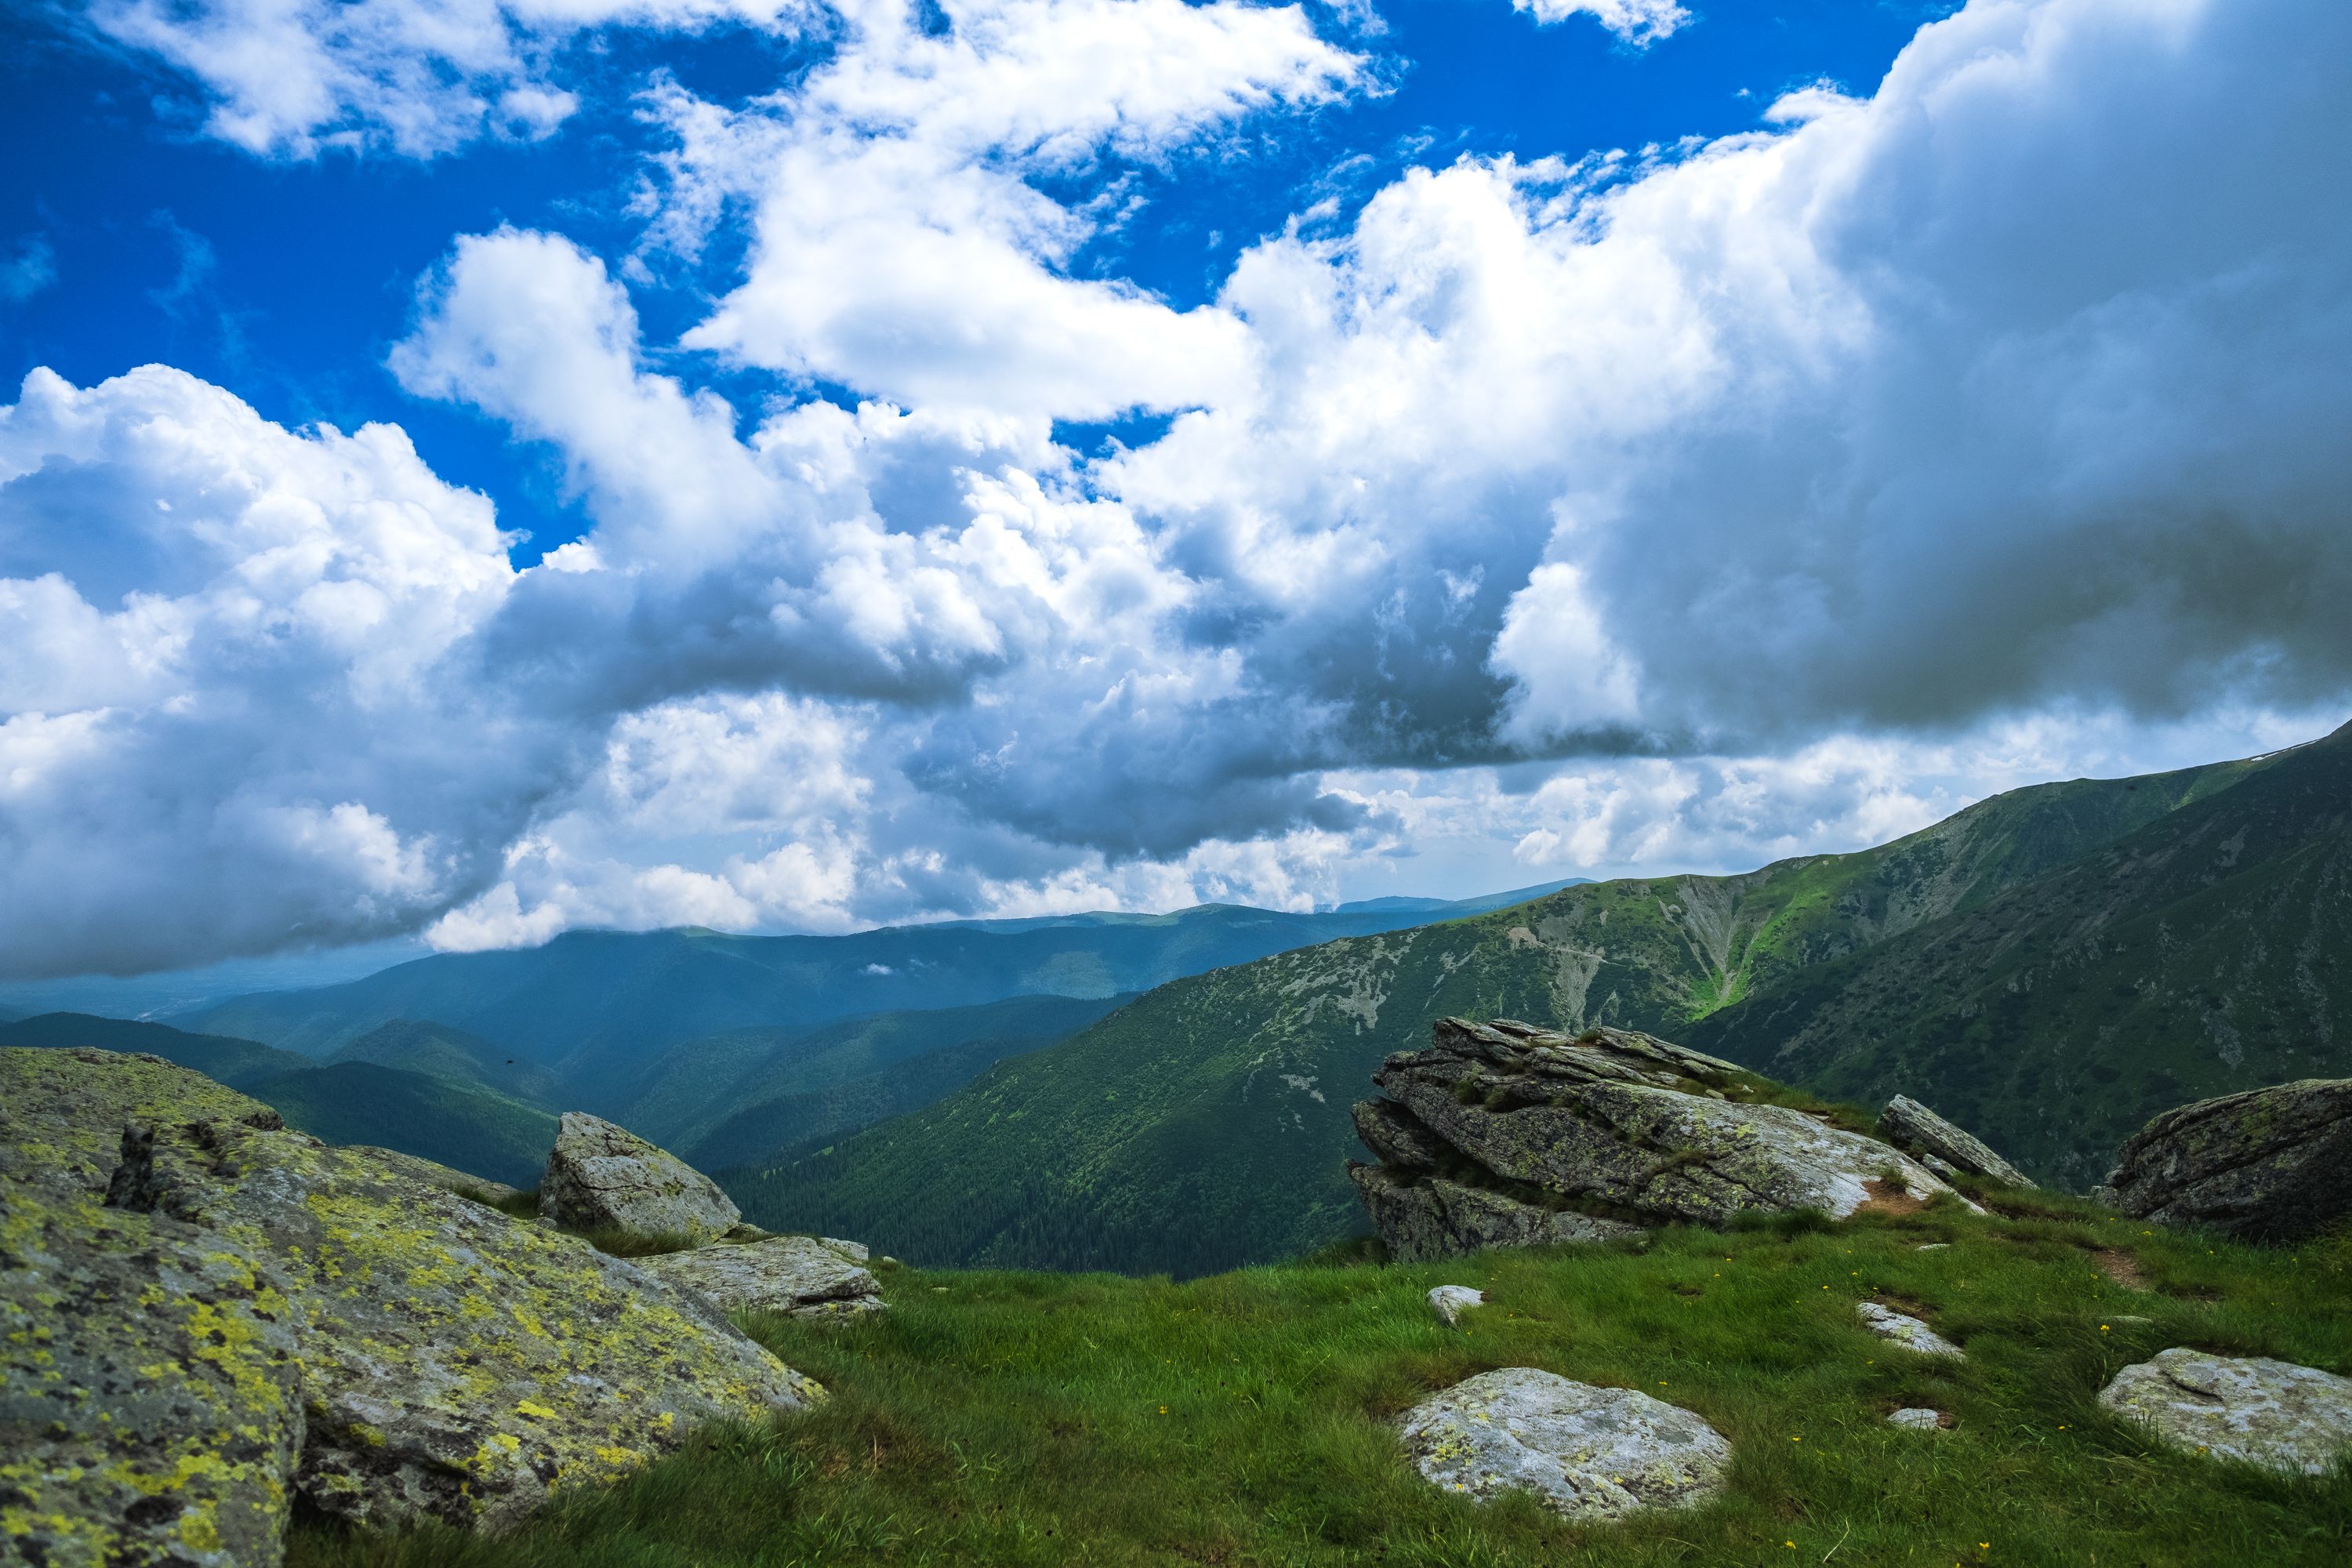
(1886,1197)
(2122,1267)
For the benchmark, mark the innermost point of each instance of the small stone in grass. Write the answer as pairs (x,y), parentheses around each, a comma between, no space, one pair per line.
(1450,1301)
(1917,1418)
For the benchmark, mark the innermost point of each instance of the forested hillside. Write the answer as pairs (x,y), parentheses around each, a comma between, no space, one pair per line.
(1206,1125)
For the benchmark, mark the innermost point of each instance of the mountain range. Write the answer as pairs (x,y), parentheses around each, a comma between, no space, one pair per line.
(2049,966)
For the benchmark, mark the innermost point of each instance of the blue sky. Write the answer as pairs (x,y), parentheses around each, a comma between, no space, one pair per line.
(800,466)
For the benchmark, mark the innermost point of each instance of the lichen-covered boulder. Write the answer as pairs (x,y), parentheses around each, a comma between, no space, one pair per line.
(798,1276)
(1643,1129)
(457,1364)
(2270,1164)
(150,1407)
(1907,1331)
(1912,1126)
(1424,1218)
(2269,1413)
(1585,1452)
(603,1177)
(433,1174)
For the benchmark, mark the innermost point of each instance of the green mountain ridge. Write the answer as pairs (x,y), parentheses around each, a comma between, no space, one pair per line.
(234,1062)
(436,1051)
(2208,951)
(475,1131)
(1206,1125)
(594,1007)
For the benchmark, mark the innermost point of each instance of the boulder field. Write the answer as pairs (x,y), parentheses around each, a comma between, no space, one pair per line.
(204,1316)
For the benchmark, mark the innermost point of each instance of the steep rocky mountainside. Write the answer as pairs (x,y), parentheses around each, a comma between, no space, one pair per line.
(2209,951)
(1205,1126)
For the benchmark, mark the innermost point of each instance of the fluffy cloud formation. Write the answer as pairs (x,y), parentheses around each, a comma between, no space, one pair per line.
(1770,495)
(418,78)
(244,719)
(1638,22)
(899,244)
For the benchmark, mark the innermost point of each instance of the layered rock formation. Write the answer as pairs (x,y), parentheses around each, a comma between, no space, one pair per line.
(1504,1134)
(203,1316)
(1942,1147)
(2269,1164)
(603,1177)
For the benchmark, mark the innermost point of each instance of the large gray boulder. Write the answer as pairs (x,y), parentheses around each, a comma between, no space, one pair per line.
(1912,1126)
(2269,1164)
(603,1177)
(798,1276)
(1584,1452)
(2269,1413)
(222,1316)
(1525,1123)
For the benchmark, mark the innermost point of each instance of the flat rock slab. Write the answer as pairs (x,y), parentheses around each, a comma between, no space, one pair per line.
(1917,1418)
(2269,1413)
(800,1275)
(603,1177)
(1587,1453)
(1913,1126)
(433,1174)
(1907,1331)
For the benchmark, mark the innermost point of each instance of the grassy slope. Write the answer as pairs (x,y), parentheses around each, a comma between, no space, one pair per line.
(757,1093)
(2210,951)
(452,1055)
(1205,1126)
(473,1129)
(1027,1419)
(237,1063)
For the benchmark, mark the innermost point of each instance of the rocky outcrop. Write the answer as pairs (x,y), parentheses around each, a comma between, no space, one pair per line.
(2270,1164)
(1912,1127)
(603,1177)
(1422,1217)
(798,1276)
(1587,1453)
(282,1318)
(2269,1413)
(1504,1134)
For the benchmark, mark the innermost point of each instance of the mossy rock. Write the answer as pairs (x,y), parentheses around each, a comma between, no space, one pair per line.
(247,1315)
(151,1407)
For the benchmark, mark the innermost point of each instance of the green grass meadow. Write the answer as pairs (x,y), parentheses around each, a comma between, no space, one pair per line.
(1243,1419)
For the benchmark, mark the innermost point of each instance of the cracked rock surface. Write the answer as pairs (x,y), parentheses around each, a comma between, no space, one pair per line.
(603,1177)
(2269,1164)
(1585,1452)
(798,1276)
(2274,1414)
(1505,1134)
